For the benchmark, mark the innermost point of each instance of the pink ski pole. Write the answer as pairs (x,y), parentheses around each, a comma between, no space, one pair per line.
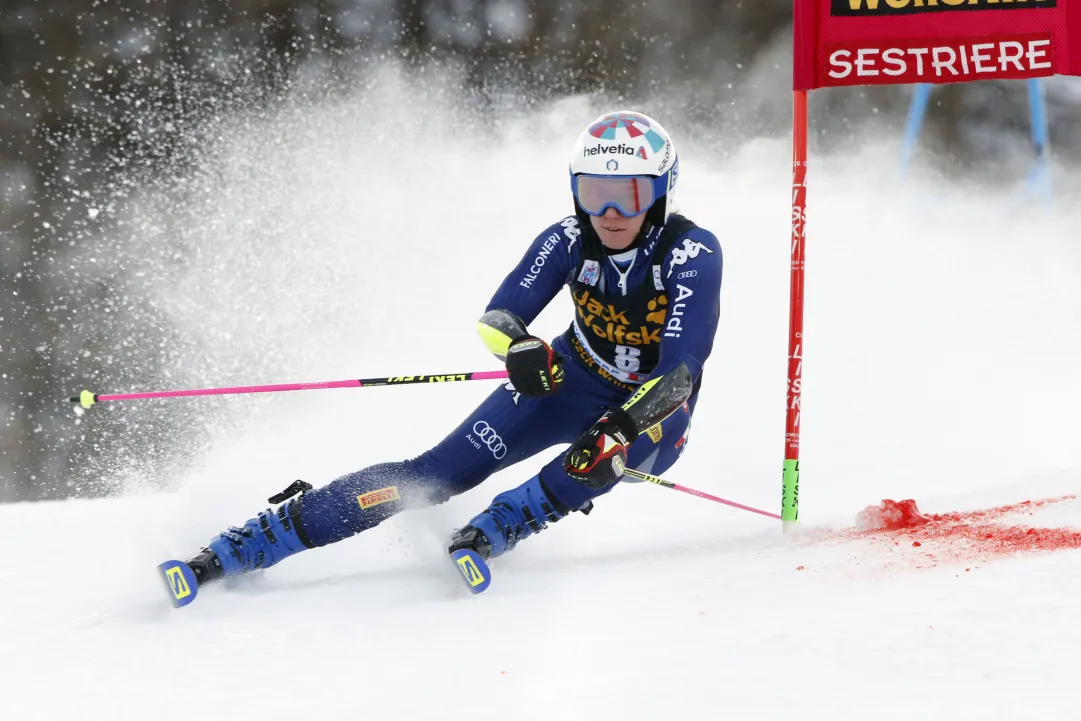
(716,499)
(87,399)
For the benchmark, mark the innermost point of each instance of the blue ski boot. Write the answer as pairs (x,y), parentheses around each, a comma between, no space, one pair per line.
(262,542)
(513,515)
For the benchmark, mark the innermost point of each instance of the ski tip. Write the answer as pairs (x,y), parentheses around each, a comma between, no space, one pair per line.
(180,581)
(474,570)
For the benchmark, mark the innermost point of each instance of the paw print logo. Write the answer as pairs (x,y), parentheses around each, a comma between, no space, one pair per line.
(657,316)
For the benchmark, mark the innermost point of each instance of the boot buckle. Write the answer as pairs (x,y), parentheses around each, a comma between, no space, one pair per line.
(297,486)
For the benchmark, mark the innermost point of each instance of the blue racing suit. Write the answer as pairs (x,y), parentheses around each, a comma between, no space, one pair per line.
(638,315)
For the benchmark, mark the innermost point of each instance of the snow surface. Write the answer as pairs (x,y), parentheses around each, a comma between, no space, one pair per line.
(941,338)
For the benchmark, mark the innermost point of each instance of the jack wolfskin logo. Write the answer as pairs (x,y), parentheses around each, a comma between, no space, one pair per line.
(608,322)
(657,316)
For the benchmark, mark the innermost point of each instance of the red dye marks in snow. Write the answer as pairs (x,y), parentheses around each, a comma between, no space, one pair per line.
(890,516)
(961,536)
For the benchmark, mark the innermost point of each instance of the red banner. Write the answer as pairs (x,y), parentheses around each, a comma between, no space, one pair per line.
(880,42)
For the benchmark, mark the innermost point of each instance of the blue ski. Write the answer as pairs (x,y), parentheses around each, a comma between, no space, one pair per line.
(180,581)
(474,570)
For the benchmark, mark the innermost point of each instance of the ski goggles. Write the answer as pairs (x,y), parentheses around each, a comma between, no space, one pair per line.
(630,195)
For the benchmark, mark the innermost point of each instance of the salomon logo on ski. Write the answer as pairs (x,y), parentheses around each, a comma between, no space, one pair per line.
(473,569)
(180,581)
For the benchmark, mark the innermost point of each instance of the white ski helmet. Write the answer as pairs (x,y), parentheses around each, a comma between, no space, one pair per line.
(625,160)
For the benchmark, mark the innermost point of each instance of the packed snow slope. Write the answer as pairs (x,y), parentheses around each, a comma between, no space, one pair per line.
(364,240)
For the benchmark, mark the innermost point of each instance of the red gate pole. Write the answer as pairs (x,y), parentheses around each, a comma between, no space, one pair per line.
(790,484)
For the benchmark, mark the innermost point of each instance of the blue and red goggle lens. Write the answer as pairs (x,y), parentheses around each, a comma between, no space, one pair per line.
(630,195)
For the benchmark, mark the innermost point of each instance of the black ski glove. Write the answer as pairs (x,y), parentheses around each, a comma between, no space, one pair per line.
(599,457)
(534,369)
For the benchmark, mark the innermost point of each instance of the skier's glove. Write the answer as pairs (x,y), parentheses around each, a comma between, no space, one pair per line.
(599,457)
(534,369)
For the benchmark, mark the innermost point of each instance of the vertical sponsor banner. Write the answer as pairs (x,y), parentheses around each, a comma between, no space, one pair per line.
(884,42)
